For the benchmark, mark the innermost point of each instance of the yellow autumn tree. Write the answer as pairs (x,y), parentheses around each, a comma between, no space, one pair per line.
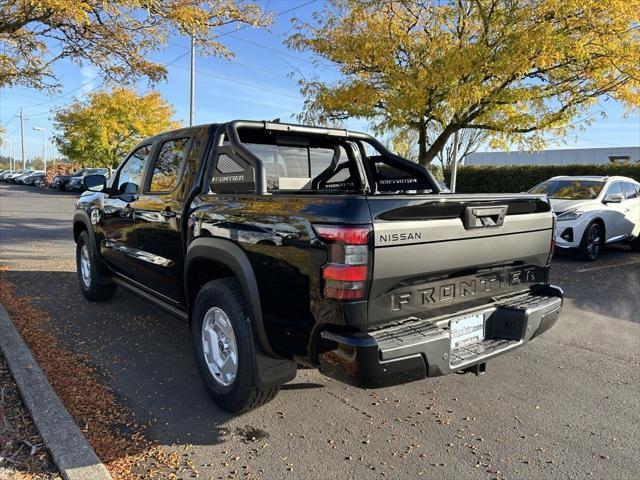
(114,36)
(100,131)
(516,69)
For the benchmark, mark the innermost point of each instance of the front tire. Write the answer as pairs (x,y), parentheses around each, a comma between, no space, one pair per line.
(635,244)
(224,349)
(94,283)
(592,242)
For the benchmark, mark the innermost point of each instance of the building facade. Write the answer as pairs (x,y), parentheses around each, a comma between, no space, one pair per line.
(574,156)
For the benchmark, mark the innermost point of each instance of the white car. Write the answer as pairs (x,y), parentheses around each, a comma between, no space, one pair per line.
(594,211)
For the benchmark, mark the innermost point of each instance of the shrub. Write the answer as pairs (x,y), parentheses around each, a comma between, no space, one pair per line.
(520,178)
(60,169)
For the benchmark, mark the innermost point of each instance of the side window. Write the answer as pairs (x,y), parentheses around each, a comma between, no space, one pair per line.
(130,175)
(292,168)
(629,190)
(167,167)
(615,189)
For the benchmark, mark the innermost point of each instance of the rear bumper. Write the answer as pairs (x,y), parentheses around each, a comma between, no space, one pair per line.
(416,349)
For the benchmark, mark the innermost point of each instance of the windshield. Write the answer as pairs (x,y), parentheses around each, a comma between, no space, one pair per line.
(569,189)
(79,172)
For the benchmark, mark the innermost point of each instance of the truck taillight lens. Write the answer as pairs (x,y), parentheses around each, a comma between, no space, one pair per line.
(346,273)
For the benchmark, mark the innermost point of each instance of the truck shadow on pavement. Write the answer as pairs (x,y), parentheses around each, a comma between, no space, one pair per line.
(143,355)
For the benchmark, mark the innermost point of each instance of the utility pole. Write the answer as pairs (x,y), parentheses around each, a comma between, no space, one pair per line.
(454,167)
(193,83)
(24,161)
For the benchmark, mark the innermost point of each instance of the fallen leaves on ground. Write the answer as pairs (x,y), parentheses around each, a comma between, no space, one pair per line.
(118,441)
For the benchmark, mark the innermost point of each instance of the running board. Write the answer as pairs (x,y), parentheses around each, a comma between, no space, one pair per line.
(176,312)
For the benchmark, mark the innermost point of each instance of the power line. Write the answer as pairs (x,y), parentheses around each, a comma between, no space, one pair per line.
(240,82)
(12,117)
(279,52)
(174,60)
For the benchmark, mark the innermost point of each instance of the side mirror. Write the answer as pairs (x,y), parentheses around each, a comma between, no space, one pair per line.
(95,183)
(612,198)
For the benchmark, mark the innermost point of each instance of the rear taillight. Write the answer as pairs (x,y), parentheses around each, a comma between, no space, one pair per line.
(346,273)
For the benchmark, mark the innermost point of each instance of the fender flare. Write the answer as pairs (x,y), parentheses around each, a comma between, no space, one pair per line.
(233,257)
(80,216)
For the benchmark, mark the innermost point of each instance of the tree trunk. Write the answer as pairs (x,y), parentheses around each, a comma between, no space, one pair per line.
(422,145)
(438,144)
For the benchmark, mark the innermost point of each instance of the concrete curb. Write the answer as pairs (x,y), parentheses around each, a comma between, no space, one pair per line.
(69,449)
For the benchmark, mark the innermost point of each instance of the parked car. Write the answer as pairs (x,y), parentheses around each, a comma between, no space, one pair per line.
(32,178)
(13,177)
(593,211)
(21,179)
(26,176)
(371,284)
(59,182)
(74,183)
(6,174)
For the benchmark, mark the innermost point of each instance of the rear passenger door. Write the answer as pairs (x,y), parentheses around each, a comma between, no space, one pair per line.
(615,215)
(157,220)
(631,205)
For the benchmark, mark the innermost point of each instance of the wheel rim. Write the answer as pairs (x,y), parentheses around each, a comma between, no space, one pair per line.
(219,346)
(593,241)
(85,266)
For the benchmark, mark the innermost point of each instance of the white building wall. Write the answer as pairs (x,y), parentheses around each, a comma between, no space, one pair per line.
(585,156)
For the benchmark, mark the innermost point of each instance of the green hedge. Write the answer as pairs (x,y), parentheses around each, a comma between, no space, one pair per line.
(513,179)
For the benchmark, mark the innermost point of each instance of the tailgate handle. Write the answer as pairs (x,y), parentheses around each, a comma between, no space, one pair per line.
(484,217)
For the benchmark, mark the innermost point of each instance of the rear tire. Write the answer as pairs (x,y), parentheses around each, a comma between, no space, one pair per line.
(94,283)
(224,349)
(635,244)
(592,242)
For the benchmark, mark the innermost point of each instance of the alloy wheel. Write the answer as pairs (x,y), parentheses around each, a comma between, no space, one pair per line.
(219,346)
(594,242)
(85,266)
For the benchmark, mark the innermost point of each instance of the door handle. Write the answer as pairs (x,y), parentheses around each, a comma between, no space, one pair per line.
(168,214)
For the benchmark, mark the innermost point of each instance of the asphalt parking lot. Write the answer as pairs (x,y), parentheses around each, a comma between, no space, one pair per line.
(565,406)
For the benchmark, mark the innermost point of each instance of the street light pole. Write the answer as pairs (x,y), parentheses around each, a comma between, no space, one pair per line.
(193,83)
(24,160)
(44,145)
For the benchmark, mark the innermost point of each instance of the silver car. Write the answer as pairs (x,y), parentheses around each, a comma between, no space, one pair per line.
(593,211)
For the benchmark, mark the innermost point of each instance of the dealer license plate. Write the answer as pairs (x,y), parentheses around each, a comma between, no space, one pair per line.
(467,330)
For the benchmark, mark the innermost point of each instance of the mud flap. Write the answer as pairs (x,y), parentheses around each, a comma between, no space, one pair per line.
(271,371)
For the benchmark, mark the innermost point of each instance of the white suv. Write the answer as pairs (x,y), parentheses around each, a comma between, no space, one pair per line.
(592,211)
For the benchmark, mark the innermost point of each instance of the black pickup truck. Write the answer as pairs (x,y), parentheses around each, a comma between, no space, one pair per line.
(286,245)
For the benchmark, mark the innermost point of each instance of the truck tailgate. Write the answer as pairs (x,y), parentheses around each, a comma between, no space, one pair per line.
(435,254)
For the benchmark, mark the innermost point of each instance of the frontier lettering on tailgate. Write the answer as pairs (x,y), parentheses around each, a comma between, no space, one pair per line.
(454,289)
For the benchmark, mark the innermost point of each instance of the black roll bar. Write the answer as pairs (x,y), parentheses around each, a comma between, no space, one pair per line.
(260,172)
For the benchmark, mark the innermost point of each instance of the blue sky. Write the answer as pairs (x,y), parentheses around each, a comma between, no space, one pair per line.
(255,85)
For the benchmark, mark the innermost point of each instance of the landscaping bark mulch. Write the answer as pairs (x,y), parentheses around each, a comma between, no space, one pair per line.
(22,453)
